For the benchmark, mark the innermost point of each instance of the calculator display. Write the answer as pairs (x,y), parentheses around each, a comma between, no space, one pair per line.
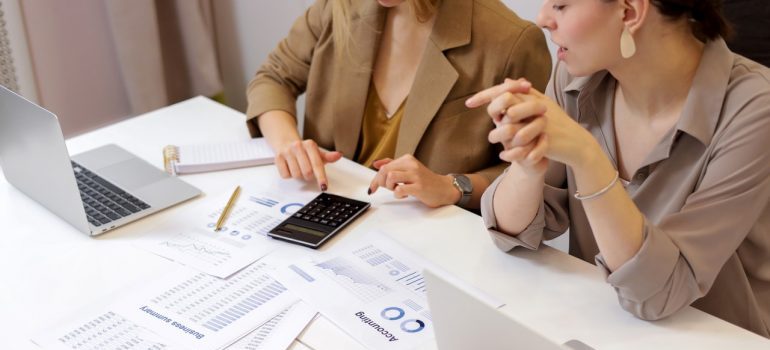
(305,230)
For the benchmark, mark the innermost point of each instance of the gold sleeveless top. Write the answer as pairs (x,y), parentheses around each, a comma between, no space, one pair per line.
(378,132)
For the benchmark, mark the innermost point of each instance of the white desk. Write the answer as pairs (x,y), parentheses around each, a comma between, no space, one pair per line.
(50,270)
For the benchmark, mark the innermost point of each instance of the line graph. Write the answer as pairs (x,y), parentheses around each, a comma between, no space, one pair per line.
(357,282)
(188,245)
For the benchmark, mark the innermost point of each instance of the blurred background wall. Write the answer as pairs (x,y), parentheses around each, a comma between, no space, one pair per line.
(97,62)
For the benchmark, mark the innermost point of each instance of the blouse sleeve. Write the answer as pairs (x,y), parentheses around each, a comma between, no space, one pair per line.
(552,218)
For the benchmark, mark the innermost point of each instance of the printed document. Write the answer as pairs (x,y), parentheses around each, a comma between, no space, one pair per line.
(198,311)
(280,331)
(185,309)
(105,331)
(373,291)
(240,242)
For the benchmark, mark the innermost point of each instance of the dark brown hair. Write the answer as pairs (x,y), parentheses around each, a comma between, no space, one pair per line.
(705,16)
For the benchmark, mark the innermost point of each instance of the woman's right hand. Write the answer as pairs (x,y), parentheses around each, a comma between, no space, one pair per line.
(519,123)
(303,159)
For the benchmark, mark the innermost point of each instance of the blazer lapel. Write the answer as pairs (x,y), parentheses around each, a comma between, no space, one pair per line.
(436,76)
(432,84)
(353,73)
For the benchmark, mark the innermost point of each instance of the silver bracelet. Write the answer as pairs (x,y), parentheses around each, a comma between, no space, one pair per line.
(578,196)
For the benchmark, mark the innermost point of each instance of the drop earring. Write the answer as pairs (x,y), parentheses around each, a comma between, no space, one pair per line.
(627,44)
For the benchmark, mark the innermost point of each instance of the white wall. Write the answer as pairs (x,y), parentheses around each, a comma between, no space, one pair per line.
(528,10)
(247,30)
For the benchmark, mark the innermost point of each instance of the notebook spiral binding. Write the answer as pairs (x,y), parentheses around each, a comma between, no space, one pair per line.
(170,158)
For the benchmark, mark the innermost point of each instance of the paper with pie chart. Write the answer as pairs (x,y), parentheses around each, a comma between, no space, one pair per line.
(241,241)
(375,292)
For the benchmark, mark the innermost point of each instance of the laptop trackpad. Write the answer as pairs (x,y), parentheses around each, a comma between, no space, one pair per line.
(132,174)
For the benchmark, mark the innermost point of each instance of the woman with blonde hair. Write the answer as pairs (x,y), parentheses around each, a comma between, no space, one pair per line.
(385,84)
(651,148)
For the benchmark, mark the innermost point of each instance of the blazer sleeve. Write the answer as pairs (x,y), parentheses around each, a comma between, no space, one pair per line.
(682,255)
(284,75)
(529,58)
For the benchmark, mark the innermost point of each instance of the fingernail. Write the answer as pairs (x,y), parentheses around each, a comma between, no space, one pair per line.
(323,187)
(369,191)
(526,84)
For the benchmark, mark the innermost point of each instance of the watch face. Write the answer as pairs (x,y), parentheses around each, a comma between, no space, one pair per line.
(464,183)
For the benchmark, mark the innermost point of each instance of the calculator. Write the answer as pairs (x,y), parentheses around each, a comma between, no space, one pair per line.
(319,220)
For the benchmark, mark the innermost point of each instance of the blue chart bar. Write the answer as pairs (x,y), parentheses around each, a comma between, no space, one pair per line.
(244,306)
(301,273)
(413,280)
(413,305)
(380,259)
(268,202)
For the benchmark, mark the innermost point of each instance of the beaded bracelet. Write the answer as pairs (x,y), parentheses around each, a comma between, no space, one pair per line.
(578,196)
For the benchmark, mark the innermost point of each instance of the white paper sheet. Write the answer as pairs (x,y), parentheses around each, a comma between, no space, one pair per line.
(189,310)
(225,152)
(196,311)
(241,241)
(374,291)
(104,331)
(280,331)
(221,156)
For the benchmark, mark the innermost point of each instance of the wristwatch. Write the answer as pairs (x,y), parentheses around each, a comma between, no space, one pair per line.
(464,185)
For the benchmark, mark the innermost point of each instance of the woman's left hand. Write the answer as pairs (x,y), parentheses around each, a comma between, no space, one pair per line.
(407,176)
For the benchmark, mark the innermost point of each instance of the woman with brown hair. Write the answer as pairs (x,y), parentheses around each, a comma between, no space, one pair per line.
(651,148)
(385,84)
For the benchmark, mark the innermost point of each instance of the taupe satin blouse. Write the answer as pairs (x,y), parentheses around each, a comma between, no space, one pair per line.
(703,190)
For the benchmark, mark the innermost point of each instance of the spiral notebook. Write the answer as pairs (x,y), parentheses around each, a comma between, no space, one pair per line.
(199,158)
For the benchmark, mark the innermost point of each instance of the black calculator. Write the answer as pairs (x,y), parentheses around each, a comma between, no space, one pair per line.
(318,220)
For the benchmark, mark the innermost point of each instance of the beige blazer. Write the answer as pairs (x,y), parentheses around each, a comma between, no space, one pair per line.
(474,45)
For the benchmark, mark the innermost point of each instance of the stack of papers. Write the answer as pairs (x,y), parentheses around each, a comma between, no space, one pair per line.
(375,291)
(187,310)
(242,241)
(238,296)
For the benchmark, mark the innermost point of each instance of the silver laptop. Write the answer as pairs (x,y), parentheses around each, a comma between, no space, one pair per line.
(464,320)
(95,191)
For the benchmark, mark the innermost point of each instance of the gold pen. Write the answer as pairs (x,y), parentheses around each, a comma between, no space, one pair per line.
(226,211)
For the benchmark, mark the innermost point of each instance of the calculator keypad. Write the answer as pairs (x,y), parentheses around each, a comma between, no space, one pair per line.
(328,211)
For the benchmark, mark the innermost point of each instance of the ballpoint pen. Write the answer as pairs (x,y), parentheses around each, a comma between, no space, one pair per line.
(226,211)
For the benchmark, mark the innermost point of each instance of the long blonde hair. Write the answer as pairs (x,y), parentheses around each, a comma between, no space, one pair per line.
(423,10)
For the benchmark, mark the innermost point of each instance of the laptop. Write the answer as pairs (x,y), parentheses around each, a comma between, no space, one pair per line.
(95,191)
(463,319)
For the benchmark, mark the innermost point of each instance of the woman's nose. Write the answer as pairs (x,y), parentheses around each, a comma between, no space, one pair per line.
(544,19)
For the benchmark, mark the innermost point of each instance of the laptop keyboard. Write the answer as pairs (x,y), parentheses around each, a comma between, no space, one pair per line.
(103,201)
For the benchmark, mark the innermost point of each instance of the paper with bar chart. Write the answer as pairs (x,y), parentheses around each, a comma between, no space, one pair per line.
(375,292)
(280,331)
(240,242)
(184,309)
(196,311)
